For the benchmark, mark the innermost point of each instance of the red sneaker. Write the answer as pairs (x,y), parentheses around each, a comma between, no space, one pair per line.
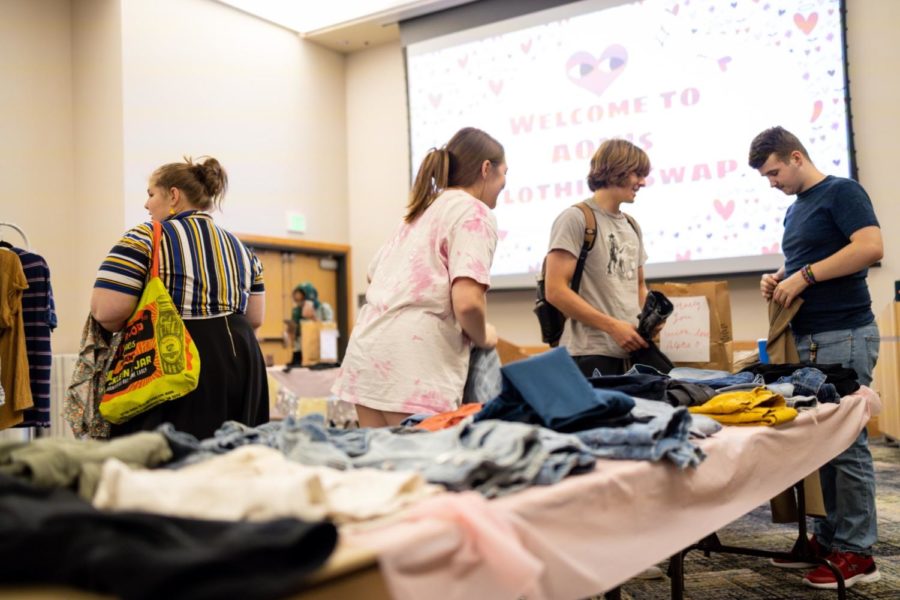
(855,568)
(795,562)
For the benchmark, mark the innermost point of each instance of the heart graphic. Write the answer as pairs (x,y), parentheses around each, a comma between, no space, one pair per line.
(673,10)
(435,99)
(773,249)
(817,110)
(496,86)
(806,24)
(686,255)
(596,74)
(525,46)
(502,234)
(463,61)
(723,62)
(724,210)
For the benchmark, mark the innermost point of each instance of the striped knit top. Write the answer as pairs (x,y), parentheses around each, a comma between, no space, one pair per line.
(207,271)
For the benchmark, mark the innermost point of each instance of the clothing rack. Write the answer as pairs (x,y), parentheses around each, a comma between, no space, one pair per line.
(19,230)
(23,433)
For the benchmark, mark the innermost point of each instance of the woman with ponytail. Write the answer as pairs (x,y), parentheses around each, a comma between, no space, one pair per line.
(216,284)
(425,305)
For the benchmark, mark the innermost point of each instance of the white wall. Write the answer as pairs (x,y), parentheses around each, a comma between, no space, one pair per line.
(873,51)
(377,151)
(95,94)
(873,48)
(36,142)
(203,78)
(97,125)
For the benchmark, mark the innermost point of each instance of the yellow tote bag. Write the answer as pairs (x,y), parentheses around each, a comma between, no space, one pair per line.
(157,360)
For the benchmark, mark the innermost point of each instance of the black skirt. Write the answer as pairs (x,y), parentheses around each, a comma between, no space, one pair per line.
(232,387)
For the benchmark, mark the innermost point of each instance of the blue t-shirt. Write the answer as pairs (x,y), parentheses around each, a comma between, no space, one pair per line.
(818,224)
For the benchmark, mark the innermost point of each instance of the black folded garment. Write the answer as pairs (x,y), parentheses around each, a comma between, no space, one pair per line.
(844,379)
(657,308)
(52,537)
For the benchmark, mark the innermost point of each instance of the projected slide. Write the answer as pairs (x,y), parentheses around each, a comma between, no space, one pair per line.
(690,81)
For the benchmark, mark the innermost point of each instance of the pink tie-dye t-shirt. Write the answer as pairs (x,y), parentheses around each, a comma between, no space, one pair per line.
(408,353)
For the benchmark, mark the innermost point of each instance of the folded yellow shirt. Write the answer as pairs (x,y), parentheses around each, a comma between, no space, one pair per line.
(759,406)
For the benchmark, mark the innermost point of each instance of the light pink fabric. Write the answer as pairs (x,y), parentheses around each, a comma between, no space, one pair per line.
(305,383)
(407,352)
(462,537)
(595,531)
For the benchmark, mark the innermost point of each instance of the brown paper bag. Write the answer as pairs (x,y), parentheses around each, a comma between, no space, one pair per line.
(721,338)
(310,340)
(784,505)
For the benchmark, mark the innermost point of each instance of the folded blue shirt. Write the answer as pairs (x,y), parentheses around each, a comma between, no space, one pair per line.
(549,389)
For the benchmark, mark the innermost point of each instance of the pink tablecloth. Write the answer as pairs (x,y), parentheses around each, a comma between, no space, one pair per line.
(592,532)
(303,382)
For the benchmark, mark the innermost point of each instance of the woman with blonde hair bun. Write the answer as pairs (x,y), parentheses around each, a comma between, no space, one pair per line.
(216,284)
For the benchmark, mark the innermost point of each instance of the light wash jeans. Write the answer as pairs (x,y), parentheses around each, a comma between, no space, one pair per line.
(848,481)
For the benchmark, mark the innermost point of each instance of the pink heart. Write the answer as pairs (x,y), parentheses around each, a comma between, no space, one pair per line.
(496,86)
(462,61)
(773,249)
(806,24)
(674,10)
(724,210)
(596,74)
(502,234)
(525,46)
(817,110)
(686,255)
(723,62)
(435,99)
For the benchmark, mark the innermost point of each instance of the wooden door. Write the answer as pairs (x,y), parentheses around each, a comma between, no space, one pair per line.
(286,263)
(308,267)
(271,332)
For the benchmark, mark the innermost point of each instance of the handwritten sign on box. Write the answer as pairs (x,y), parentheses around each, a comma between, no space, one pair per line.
(685,338)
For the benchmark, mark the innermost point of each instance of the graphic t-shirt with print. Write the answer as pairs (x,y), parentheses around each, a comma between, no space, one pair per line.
(610,279)
(408,353)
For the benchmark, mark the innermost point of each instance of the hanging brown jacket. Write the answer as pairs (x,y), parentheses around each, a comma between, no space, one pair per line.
(780,345)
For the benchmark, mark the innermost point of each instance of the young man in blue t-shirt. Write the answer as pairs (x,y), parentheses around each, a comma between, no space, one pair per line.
(831,237)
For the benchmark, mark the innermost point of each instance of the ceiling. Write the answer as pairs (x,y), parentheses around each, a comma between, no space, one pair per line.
(342,25)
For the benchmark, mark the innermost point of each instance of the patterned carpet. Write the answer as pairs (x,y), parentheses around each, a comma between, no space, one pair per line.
(730,577)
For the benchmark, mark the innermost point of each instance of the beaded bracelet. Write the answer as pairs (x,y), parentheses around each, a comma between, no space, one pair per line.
(806,272)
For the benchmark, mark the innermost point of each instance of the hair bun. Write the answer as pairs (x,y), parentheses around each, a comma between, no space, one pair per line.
(211,176)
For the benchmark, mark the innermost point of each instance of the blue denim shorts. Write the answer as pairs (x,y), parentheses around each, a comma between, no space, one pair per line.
(853,348)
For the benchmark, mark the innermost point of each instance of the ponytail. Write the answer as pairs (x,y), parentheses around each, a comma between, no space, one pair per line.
(431,180)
